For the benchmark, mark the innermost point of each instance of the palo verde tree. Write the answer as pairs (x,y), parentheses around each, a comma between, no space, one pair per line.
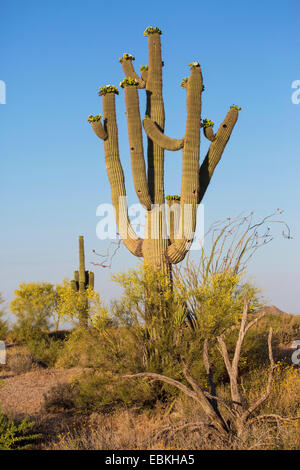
(157,248)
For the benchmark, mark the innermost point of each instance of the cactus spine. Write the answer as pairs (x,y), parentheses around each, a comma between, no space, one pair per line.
(82,280)
(157,249)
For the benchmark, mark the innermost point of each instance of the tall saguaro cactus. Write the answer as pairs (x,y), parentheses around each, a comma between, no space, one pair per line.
(82,280)
(156,248)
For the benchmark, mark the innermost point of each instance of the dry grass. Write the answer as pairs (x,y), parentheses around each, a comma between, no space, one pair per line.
(174,427)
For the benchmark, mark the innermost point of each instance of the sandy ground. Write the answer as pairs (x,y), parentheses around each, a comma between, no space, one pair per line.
(22,395)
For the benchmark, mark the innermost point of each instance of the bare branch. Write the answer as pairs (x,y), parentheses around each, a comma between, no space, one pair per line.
(206,405)
(273,416)
(163,378)
(261,400)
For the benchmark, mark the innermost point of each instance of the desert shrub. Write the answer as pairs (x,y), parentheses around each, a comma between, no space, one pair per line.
(82,348)
(60,397)
(15,436)
(106,392)
(44,348)
(20,363)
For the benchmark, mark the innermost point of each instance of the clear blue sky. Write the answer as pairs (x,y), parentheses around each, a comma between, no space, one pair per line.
(55,55)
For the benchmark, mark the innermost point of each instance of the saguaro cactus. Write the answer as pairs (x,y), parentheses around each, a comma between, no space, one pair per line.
(157,249)
(82,280)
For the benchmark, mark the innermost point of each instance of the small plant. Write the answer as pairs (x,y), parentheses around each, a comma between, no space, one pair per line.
(126,57)
(103,90)
(15,436)
(152,30)
(173,198)
(128,82)
(60,397)
(207,123)
(95,118)
(21,363)
(143,67)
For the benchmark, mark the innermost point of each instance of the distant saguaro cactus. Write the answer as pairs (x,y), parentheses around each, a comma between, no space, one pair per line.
(157,249)
(82,280)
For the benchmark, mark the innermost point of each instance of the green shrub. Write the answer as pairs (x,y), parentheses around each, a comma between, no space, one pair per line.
(15,436)
(105,392)
(82,348)
(45,349)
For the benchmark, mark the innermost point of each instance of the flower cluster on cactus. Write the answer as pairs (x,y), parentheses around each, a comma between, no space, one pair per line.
(143,67)
(103,90)
(234,106)
(175,197)
(184,82)
(128,81)
(126,57)
(207,123)
(194,64)
(152,30)
(95,118)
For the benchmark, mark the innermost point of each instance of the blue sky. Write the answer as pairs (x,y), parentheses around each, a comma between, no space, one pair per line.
(55,55)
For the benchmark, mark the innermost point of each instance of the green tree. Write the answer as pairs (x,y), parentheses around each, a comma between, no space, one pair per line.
(34,306)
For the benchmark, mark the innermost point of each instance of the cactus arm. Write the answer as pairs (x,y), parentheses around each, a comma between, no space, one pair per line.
(144,74)
(209,133)
(136,145)
(116,177)
(154,133)
(215,151)
(190,166)
(91,279)
(155,110)
(81,265)
(129,71)
(99,130)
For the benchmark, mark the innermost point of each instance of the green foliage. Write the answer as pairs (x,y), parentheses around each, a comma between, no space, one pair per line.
(69,302)
(207,123)
(83,348)
(15,436)
(126,57)
(128,82)
(152,30)
(144,67)
(45,349)
(104,392)
(34,306)
(108,89)
(95,118)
